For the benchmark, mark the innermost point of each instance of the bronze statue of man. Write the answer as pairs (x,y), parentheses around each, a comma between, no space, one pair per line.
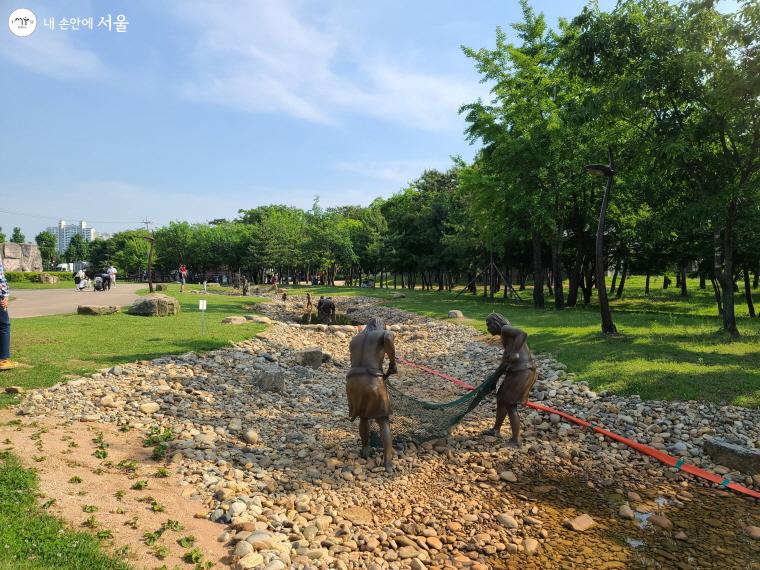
(326,310)
(368,397)
(519,376)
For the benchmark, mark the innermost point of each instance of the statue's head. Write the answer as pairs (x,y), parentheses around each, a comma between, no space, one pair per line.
(374,324)
(494,323)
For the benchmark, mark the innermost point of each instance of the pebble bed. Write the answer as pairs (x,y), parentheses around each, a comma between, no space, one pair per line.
(263,443)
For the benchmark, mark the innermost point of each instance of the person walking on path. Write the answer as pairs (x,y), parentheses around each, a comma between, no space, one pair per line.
(182,277)
(5,324)
(111,275)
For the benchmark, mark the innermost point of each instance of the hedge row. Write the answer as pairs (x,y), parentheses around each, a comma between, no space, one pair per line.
(34,276)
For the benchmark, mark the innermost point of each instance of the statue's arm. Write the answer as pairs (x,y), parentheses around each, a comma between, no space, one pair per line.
(390,349)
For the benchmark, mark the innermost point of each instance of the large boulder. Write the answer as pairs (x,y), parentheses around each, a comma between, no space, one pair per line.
(97,310)
(161,287)
(154,305)
(21,257)
(234,320)
(46,278)
(742,459)
(456,314)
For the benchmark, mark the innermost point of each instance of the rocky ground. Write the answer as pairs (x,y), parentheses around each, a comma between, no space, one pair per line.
(259,437)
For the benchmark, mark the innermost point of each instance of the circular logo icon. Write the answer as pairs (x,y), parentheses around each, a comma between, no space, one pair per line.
(22,22)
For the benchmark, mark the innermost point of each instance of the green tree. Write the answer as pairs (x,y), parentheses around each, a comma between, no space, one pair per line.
(2,236)
(47,242)
(77,250)
(132,256)
(17,236)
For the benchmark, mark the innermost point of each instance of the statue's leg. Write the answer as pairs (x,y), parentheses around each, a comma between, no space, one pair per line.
(364,434)
(514,422)
(387,439)
(501,413)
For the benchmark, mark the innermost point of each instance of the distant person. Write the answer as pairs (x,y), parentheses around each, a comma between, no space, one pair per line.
(5,324)
(182,277)
(80,280)
(111,275)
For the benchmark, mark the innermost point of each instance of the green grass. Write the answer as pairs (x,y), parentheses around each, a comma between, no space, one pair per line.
(52,348)
(30,539)
(30,285)
(669,348)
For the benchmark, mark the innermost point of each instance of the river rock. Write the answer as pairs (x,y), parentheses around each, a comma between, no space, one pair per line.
(580,523)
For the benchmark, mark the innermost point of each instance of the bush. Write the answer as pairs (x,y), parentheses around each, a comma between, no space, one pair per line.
(34,276)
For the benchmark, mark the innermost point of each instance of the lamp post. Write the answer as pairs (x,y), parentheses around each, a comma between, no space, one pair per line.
(151,240)
(608,327)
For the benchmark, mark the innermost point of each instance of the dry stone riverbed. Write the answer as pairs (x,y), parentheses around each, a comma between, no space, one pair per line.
(259,442)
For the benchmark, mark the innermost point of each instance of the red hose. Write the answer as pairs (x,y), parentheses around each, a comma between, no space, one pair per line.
(640,447)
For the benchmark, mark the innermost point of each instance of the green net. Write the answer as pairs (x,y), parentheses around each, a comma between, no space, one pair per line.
(419,421)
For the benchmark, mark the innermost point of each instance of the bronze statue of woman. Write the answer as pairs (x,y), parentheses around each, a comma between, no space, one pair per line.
(518,378)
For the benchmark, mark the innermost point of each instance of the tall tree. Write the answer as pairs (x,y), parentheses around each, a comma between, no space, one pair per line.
(17,236)
(47,243)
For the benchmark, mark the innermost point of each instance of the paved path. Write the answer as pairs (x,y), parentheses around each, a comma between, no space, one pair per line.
(38,302)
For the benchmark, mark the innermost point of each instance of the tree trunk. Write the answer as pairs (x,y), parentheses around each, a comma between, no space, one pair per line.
(614,278)
(623,274)
(666,281)
(608,327)
(538,273)
(549,286)
(748,291)
(559,291)
(646,287)
(702,283)
(684,290)
(521,279)
(575,275)
(756,282)
(718,295)
(725,271)
(588,282)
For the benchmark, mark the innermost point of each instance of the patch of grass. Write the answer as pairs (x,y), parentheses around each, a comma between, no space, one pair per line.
(139,485)
(53,347)
(186,541)
(670,348)
(89,508)
(161,473)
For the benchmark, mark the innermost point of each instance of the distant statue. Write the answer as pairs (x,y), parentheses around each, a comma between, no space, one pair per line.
(326,310)
(519,377)
(245,286)
(368,397)
(309,307)
(284,295)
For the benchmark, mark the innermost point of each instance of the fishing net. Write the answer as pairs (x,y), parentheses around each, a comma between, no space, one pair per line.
(419,421)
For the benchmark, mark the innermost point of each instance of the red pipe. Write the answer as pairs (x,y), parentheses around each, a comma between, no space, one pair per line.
(640,447)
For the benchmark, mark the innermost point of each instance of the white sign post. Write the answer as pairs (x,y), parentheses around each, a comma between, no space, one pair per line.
(202,309)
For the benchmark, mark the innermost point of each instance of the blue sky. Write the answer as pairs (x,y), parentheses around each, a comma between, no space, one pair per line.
(203,108)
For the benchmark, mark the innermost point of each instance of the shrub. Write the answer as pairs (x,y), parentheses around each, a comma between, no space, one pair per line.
(34,276)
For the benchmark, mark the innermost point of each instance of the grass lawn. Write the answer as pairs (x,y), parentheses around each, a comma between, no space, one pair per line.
(30,539)
(51,348)
(669,347)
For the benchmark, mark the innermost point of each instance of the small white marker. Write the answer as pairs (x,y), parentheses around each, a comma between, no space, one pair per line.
(202,305)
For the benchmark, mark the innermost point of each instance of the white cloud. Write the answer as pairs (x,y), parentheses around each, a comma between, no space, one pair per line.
(279,57)
(52,54)
(399,172)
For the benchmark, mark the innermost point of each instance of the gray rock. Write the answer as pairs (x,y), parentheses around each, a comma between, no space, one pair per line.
(97,310)
(311,357)
(456,314)
(271,380)
(149,408)
(735,456)
(154,305)
(234,320)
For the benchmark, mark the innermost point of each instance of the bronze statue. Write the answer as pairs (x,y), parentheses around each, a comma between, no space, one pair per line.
(519,377)
(368,397)
(309,307)
(326,310)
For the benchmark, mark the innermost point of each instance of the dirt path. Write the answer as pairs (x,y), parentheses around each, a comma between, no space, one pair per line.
(41,302)
(83,486)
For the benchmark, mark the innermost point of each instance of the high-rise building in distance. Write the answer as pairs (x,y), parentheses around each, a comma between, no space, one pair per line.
(64,232)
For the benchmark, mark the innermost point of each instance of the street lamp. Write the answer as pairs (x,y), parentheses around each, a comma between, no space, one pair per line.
(608,171)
